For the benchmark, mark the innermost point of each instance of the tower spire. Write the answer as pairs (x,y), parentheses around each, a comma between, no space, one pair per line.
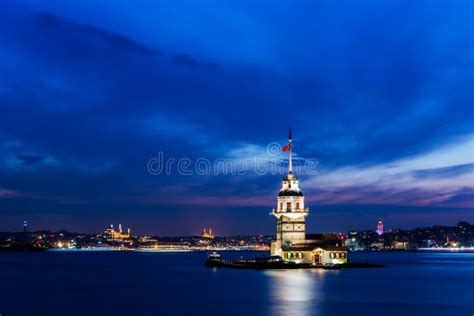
(290,165)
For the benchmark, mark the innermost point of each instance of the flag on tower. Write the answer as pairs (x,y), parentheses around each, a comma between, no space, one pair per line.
(286,147)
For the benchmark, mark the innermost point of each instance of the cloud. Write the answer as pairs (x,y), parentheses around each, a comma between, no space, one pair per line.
(117,40)
(185,60)
(95,166)
(191,62)
(27,160)
(251,159)
(18,156)
(432,178)
(90,33)
(5,193)
(166,125)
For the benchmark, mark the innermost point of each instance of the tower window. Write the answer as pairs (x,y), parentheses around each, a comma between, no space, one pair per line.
(281,205)
(297,205)
(288,206)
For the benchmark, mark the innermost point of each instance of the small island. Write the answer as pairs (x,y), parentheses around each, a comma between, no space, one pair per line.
(293,247)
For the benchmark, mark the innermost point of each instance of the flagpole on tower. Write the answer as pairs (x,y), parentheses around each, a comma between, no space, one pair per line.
(290,165)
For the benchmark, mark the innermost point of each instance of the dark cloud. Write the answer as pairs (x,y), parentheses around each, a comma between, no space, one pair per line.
(28,160)
(191,62)
(115,39)
(447,172)
(185,60)
(463,198)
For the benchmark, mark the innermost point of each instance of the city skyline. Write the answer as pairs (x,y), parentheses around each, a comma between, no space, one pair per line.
(384,113)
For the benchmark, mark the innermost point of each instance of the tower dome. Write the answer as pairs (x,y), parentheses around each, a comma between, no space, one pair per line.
(290,193)
(290,187)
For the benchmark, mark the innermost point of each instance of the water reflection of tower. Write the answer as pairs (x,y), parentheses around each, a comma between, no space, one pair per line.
(380,228)
(305,297)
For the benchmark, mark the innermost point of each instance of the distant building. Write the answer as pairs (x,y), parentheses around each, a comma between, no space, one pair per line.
(111,233)
(206,234)
(352,241)
(292,243)
(377,245)
(380,228)
(400,245)
(25,226)
(427,243)
(146,239)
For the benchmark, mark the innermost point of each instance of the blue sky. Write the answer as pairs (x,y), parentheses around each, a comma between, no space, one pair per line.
(380,93)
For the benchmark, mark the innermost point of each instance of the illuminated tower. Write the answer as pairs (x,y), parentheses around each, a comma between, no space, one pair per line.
(25,226)
(380,228)
(290,211)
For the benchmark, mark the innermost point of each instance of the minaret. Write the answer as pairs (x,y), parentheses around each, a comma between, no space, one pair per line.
(290,211)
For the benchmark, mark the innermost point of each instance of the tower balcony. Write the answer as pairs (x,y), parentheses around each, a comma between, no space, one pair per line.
(293,213)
